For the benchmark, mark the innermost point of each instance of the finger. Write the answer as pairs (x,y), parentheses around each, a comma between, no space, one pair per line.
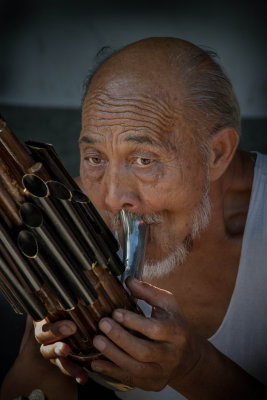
(138,348)
(118,356)
(70,368)
(141,377)
(159,330)
(111,370)
(48,332)
(58,349)
(152,295)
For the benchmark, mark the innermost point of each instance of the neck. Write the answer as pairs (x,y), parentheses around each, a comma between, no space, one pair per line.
(230,196)
(204,284)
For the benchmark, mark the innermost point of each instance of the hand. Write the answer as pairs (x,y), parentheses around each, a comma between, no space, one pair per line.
(162,348)
(49,335)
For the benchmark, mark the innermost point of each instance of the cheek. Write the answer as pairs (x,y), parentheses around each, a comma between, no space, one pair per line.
(174,196)
(88,185)
(164,192)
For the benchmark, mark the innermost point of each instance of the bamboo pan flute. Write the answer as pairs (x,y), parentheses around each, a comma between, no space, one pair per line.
(58,259)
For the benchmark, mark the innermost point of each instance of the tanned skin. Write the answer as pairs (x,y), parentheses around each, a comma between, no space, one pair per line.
(139,152)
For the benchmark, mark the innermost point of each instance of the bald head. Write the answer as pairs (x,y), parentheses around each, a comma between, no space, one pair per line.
(177,71)
(153,60)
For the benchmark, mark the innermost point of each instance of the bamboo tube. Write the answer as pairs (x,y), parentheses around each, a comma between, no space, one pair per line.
(10,297)
(33,218)
(31,304)
(13,146)
(8,208)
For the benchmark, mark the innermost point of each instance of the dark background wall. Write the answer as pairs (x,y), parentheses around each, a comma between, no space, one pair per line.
(47,48)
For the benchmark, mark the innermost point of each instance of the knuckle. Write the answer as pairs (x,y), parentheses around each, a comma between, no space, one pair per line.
(48,352)
(166,353)
(41,332)
(38,338)
(139,371)
(43,351)
(144,354)
(116,334)
(130,315)
(156,330)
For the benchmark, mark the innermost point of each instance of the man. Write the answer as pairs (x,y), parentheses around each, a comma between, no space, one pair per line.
(160,126)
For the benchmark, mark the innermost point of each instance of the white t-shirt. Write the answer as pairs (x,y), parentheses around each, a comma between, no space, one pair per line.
(242,336)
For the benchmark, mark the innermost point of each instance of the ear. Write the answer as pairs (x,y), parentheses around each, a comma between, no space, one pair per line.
(223,146)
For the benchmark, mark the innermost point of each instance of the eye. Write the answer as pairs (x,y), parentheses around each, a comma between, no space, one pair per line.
(94,159)
(143,161)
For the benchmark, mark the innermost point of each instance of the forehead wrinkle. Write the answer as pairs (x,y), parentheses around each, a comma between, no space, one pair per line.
(136,138)
(132,111)
(143,101)
(105,109)
(144,113)
(147,139)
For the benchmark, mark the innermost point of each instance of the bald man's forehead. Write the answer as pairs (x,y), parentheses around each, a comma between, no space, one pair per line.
(151,69)
(135,116)
(128,107)
(147,84)
(127,93)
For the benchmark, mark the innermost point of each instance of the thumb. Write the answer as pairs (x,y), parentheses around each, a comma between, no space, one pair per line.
(159,299)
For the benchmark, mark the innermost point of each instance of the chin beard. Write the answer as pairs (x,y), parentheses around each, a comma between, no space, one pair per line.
(180,253)
(170,263)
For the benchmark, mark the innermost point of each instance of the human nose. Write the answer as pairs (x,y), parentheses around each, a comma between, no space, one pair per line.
(121,191)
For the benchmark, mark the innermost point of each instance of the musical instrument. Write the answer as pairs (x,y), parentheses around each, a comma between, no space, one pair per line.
(58,259)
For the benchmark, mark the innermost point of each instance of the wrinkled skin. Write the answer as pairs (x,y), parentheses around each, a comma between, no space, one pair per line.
(142,362)
(128,165)
(139,152)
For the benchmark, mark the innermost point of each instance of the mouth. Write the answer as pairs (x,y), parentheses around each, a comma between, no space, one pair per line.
(122,222)
(148,219)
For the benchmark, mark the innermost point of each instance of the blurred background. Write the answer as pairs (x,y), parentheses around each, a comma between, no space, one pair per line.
(48,47)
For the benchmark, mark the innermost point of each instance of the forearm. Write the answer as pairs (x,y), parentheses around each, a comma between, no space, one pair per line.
(217,377)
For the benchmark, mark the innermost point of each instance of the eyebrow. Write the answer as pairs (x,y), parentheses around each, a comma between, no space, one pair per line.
(88,139)
(143,139)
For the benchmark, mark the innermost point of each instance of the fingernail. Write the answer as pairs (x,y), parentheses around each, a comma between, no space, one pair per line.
(66,330)
(59,350)
(80,380)
(95,367)
(105,326)
(134,280)
(118,316)
(99,343)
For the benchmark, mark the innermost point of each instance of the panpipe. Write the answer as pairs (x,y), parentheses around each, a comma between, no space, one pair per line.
(58,258)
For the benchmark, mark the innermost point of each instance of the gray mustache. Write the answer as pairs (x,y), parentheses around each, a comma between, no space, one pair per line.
(147,218)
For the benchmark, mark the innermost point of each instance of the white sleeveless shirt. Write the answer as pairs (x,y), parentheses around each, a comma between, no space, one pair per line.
(242,336)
